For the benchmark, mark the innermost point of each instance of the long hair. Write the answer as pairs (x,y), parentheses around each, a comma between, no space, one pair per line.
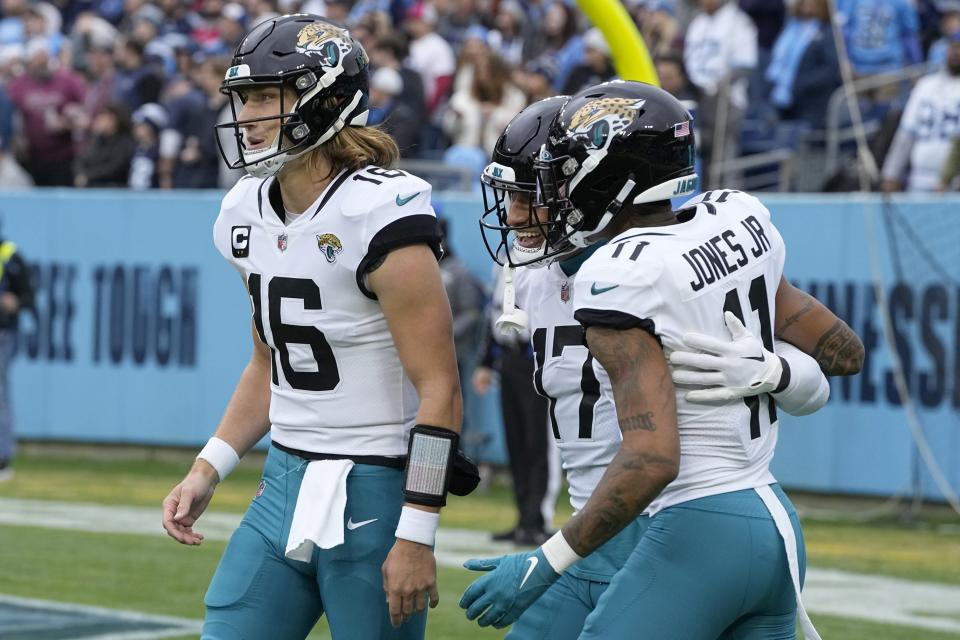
(355,147)
(490,78)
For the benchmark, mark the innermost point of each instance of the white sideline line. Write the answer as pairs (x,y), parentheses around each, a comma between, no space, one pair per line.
(177,626)
(923,605)
(881,599)
(98,518)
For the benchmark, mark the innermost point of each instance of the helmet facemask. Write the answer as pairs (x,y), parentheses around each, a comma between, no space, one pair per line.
(266,160)
(500,190)
(556,179)
(295,137)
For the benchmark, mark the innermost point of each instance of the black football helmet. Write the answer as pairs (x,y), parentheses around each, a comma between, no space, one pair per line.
(511,173)
(612,144)
(316,58)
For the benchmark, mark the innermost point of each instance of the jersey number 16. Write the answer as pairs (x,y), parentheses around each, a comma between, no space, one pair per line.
(327,376)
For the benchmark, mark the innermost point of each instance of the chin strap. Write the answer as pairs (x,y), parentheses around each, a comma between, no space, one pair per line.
(585,239)
(511,318)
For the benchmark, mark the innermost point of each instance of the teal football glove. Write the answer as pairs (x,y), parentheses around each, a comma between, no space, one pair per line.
(513,584)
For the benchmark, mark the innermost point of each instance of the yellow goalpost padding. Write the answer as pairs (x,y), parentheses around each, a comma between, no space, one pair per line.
(627,49)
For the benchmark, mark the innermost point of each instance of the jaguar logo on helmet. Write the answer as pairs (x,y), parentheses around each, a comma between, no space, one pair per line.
(599,121)
(330,246)
(325,41)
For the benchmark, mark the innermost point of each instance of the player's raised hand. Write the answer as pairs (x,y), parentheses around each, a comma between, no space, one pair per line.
(514,583)
(727,370)
(187,501)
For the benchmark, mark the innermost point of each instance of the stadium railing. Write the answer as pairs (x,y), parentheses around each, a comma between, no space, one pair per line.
(441,176)
(839,132)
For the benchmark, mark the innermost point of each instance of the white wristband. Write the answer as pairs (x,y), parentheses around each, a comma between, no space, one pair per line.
(220,455)
(559,553)
(417,525)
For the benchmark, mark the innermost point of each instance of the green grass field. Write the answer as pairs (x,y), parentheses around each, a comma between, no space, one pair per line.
(153,574)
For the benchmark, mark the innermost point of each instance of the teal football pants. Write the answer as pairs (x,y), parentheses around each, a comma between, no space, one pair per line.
(257,593)
(560,612)
(712,568)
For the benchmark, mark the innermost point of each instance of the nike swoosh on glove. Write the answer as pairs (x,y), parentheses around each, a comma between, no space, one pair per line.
(727,369)
(514,583)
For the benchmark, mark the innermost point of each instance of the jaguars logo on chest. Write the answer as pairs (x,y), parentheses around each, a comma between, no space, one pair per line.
(329,246)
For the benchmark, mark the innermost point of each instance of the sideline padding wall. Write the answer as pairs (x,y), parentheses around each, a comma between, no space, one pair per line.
(142,329)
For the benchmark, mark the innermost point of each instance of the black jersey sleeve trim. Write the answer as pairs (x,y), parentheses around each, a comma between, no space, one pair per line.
(615,320)
(415,229)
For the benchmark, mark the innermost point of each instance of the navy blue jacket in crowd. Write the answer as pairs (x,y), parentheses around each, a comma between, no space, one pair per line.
(818,75)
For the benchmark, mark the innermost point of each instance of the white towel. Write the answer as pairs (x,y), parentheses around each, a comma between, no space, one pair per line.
(782,520)
(318,516)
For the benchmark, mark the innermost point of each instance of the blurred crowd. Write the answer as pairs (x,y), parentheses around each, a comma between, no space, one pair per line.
(109,93)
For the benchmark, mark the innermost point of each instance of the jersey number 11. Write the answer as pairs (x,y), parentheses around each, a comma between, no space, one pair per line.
(758,302)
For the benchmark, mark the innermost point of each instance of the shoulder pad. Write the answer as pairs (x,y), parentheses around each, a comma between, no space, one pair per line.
(402,191)
(618,292)
(630,262)
(750,202)
(240,194)
(724,199)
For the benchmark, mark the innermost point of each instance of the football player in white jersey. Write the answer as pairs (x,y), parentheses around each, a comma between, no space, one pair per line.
(518,580)
(583,420)
(928,127)
(353,372)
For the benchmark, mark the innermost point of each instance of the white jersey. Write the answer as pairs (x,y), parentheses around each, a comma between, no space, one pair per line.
(725,255)
(932,116)
(337,382)
(718,44)
(582,414)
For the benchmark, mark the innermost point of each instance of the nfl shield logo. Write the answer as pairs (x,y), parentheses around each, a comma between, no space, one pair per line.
(564,292)
(282,242)
(263,485)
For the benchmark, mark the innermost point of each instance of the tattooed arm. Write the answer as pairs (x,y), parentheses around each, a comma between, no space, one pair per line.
(807,324)
(649,456)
